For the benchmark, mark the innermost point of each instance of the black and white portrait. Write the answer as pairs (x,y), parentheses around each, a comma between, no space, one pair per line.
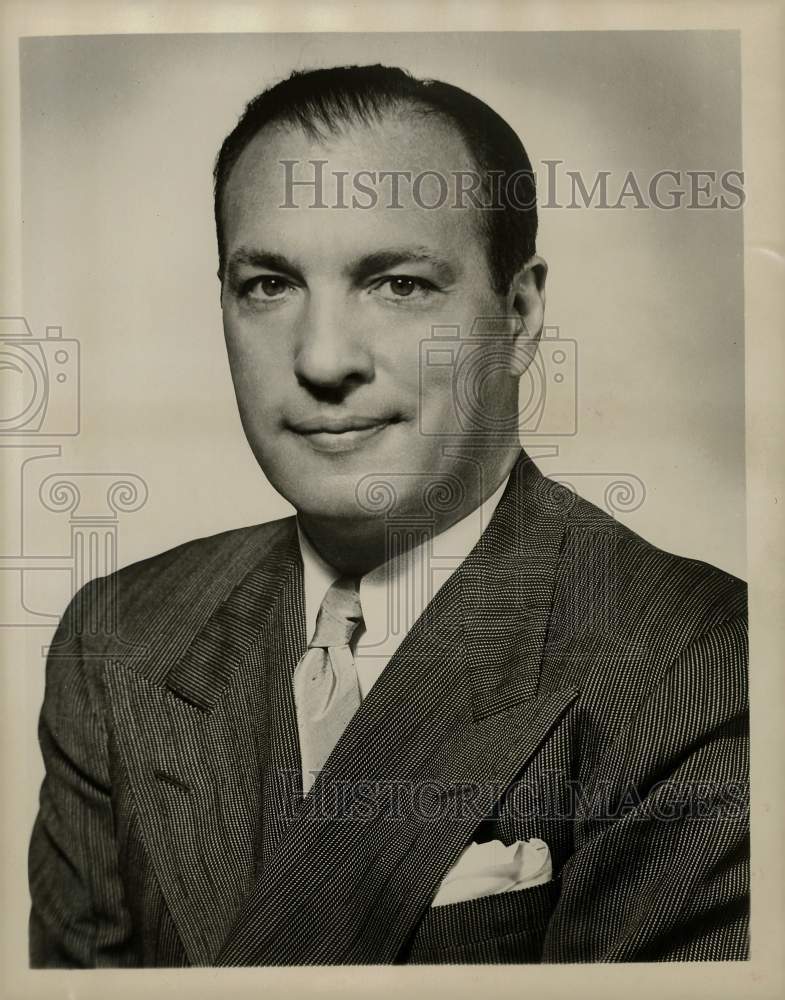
(378,533)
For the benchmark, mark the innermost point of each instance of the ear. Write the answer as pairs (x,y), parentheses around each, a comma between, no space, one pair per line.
(526,302)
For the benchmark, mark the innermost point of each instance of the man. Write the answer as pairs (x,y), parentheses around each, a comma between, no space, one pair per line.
(448,712)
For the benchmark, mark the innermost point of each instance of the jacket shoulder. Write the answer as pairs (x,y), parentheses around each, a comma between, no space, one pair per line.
(646,586)
(227,553)
(630,619)
(197,573)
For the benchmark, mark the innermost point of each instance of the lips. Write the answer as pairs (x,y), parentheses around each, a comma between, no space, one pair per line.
(336,425)
(338,434)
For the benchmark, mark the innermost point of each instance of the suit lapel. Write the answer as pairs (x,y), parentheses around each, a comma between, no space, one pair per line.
(283,645)
(196,745)
(456,714)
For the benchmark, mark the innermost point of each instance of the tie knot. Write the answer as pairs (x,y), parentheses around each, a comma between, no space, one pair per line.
(339,615)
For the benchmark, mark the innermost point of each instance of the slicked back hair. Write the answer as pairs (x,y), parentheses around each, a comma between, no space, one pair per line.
(323,101)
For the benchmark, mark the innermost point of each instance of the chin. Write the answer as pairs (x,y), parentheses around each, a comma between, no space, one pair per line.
(336,508)
(351,488)
(330,497)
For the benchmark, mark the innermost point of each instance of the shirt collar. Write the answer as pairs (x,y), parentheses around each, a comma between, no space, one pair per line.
(394,595)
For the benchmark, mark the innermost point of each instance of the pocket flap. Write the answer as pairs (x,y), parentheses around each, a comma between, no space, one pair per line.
(458,927)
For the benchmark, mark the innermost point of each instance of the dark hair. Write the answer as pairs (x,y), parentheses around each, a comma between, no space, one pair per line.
(321,101)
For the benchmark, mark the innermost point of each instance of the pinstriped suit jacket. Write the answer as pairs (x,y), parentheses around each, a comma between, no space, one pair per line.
(570,682)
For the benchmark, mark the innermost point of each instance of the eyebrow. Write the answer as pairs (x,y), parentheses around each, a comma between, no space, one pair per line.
(358,271)
(251,257)
(384,260)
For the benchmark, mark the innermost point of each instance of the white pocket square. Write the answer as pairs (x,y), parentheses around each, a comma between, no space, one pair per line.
(490,868)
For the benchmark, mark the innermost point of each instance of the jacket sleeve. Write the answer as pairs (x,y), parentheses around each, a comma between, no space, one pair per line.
(78,917)
(661,866)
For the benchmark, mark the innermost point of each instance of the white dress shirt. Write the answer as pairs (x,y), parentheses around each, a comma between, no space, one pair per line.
(394,595)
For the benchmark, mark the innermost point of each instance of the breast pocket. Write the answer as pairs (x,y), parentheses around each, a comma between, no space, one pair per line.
(506,927)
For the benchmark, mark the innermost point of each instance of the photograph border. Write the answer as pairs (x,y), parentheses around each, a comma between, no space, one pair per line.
(760,25)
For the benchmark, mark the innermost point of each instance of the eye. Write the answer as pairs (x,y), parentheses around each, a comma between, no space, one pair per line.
(266,286)
(403,286)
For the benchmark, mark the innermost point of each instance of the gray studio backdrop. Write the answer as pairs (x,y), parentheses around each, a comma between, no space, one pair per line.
(119,134)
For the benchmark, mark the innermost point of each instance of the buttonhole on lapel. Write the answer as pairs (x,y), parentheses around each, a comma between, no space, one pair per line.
(508,695)
(170,779)
(193,702)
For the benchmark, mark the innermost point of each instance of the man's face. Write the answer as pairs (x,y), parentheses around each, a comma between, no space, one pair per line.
(325,311)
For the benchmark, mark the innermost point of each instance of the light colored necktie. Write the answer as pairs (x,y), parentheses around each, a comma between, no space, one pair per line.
(326,690)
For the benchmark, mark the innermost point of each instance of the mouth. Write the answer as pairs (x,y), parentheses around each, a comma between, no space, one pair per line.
(339,434)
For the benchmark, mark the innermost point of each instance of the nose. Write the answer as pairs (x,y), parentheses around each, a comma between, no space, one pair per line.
(331,353)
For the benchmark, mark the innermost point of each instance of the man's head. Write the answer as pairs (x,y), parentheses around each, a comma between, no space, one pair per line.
(324,101)
(329,295)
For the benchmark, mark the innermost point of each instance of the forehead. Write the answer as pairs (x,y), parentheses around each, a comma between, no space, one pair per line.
(263,203)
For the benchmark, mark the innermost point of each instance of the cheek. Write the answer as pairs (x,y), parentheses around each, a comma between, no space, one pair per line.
(437,390)
(258,364)
(403,351)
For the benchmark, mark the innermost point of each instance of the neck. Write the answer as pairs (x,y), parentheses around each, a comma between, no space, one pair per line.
(354,547)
